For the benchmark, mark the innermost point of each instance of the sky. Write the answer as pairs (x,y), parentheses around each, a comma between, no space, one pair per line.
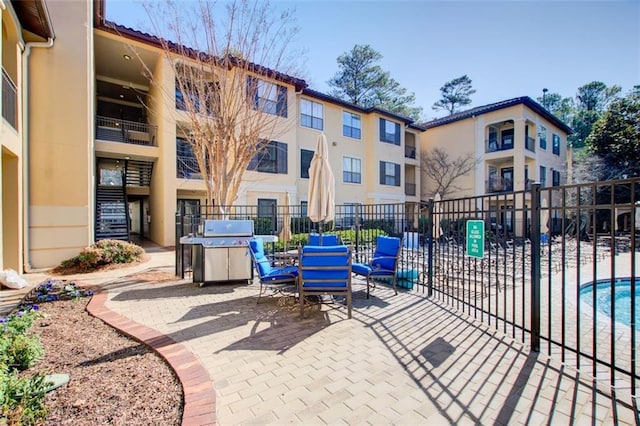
(507,48)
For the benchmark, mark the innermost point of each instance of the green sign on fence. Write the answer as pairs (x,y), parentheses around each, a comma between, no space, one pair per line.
(475,238)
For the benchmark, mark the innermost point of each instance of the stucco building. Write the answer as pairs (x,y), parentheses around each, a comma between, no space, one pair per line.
(514,143)
(91,149)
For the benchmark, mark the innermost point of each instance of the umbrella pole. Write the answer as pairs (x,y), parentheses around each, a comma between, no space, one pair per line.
(320,226)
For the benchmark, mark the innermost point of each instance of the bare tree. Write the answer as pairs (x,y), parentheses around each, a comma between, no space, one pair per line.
(232,64)
(444,171)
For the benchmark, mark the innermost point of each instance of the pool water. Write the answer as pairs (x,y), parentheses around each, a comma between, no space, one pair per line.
(622,296)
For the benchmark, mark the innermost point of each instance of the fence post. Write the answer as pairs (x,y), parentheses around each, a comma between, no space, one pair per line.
(535,267)
(431,222)
(179,267)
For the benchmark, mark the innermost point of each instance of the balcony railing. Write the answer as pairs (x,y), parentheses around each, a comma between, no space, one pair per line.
(9,100)
(409,189)
(494,145)
(409,151)
(115,130)
(530,144)
(498,184)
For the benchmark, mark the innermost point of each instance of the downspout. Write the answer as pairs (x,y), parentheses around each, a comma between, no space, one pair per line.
(26,214)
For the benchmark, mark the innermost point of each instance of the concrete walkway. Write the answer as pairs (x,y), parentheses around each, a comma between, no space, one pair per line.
(402,359)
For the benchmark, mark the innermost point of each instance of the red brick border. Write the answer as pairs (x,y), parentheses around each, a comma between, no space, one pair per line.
(199,393)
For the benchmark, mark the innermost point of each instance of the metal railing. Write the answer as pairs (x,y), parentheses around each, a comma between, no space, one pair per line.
(9,100)
(498,184)
(558,268)
(410,189)
(132,132)
(409,151)
(530,143)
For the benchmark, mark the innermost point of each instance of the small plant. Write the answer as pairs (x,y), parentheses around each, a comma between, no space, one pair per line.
(22,398)
(18,349)
(104,252)
(24,351)
(51,290)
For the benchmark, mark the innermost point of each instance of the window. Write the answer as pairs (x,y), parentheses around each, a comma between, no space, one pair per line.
(304,206)
(351,125)
(348,218)
(193,97)
(267,208)
(186,163)
(507,139)
(556,144)
(267,97)
(542,136)
(543,176)
(271,158)
(493,139)
(311,114)
(305,162)
(389,132)
(389,173)
(351,170)
(555,176)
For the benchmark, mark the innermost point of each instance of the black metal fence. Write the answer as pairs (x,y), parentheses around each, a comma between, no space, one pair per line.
(552,267)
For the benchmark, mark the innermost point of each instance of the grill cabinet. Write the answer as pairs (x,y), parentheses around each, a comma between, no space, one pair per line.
(221,254)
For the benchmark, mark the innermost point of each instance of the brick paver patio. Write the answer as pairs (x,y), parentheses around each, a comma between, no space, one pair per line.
(402,359)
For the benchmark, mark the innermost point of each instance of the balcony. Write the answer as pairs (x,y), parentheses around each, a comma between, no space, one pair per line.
(410,189)
(131,132)
(9,100)
(498,184)
(409,151)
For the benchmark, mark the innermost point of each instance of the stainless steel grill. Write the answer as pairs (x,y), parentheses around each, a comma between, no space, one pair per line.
(220,254)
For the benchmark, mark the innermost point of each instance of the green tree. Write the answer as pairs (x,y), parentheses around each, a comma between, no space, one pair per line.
(616,136)
(455,94)
(363,82)
(591,101)
(596,96)
(557,105)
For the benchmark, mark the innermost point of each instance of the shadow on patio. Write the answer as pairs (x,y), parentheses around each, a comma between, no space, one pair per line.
(401,359)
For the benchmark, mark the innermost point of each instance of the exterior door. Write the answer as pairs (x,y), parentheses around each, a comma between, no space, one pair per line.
(507,178)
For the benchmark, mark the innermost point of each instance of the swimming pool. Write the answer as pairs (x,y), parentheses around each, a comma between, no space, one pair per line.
(622,298)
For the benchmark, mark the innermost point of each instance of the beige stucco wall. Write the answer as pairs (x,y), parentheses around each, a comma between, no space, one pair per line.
(457,139)
(60,134)
(11,208)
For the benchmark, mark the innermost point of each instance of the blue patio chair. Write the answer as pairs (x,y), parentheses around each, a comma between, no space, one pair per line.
(383,264)
(324,270)
(282,277)
(323,240)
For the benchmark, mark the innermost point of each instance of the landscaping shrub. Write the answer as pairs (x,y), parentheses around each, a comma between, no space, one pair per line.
(104,252)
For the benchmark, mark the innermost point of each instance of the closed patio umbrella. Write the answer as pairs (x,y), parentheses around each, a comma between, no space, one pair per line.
(285,232)
(322,183)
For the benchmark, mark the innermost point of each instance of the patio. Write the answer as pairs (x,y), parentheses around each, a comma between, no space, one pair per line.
(402,359)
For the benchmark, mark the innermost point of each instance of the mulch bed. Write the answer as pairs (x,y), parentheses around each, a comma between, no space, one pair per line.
(114,380)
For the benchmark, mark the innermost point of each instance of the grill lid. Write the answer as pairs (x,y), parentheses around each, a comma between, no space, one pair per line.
(223,228)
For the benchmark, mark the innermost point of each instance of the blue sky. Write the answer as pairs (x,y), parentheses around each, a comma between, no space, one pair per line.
(507,48)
